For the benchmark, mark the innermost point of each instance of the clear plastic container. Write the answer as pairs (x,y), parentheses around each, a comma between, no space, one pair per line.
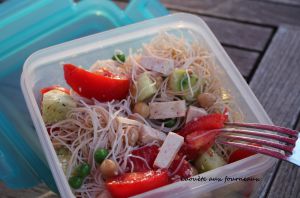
(43,69)
(27,26)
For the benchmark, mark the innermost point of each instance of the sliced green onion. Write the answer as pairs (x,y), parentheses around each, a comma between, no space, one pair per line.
(119,57)
(169,123)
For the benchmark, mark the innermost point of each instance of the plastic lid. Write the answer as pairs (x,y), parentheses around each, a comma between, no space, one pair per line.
(37,24)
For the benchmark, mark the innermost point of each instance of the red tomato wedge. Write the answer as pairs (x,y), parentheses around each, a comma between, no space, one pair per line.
(190,152)
(240,154)
(204,123)
(196,135)
(102,85)
(196,143)
(54,87)
(201,140)
(130,184)
(178,173)
(148,153)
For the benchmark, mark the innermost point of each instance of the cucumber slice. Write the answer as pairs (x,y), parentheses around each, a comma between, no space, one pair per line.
(146,87)
(209,161)
(55,106)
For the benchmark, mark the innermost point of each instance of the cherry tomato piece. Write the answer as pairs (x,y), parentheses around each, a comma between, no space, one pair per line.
(102,85)
(204,123)
(148,153)
(130,184)
(54,87)
(240,154)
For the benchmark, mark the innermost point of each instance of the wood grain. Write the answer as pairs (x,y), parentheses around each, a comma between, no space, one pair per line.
(239,34)
(287,180)
(276,85)
(286,183)
(234,34)
(289,2)
(298,125)
(243,59)
(258,12)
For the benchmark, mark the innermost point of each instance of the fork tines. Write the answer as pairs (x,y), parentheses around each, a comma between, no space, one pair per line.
(279,144)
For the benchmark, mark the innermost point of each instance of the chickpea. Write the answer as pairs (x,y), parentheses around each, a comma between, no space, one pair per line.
(103,194)
(132,90)
(56,144)
(108,168)
(133,136)
(135,117)
(142,108)
(206,100)
(158,80)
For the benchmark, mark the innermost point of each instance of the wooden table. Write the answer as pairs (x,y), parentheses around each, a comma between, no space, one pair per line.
(263,39)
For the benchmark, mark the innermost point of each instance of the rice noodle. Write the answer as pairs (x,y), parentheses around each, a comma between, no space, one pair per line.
(93,124)
(179,166)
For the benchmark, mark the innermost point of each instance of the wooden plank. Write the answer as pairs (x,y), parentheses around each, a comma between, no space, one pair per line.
(234,33)
(258,12)
(239,34)
(276,85)
(287,180)
(290,2)
(243,59)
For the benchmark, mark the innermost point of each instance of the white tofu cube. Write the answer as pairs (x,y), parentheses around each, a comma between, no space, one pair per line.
(168,150)
(163,110)
(161,65)
(194,112)
(148,134)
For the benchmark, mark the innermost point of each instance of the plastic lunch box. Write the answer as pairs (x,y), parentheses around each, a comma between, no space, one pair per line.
(27,26)
(43,69)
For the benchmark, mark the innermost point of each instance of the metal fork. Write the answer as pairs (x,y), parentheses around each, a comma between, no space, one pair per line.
(282,143)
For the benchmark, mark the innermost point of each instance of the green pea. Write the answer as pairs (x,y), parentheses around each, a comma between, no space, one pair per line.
(120,57)
(83,170)
(100,155)
(75,182)
(169,123)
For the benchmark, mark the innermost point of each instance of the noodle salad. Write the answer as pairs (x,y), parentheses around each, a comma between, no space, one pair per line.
(134,123)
